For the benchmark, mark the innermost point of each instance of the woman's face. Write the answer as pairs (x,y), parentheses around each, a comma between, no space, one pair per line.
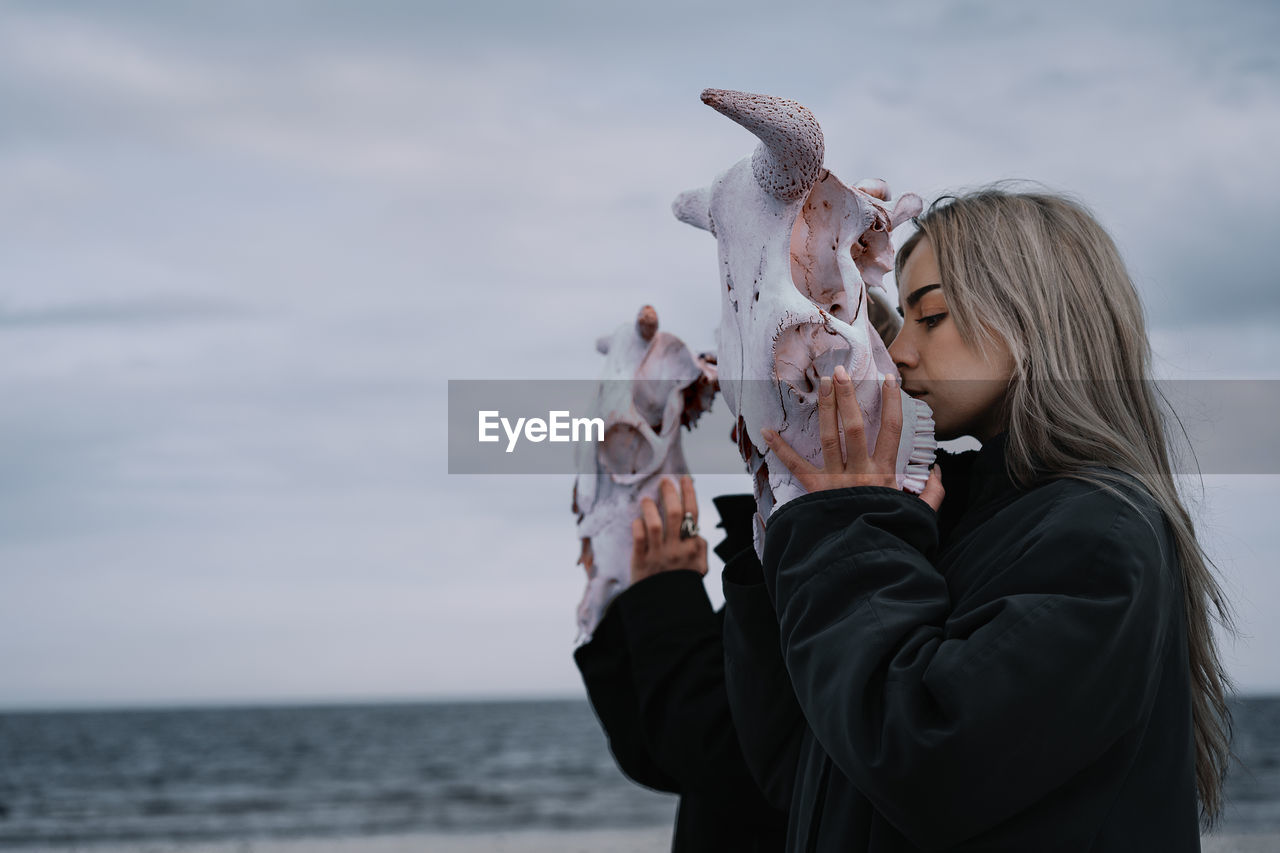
(963,386)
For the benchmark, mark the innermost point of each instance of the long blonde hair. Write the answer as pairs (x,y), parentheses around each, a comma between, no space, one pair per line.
(1037,271)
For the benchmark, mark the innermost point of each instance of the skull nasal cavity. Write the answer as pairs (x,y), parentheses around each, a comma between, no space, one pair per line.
(805,352)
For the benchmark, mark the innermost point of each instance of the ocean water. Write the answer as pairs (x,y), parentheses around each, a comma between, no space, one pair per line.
(236,773)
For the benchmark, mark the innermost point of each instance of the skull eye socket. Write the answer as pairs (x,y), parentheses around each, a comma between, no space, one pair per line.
(624,450)
(650,399)
(827,215)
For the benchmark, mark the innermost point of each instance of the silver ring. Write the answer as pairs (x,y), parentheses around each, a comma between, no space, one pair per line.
(688,527)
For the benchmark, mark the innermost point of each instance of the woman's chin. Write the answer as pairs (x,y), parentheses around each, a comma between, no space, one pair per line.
(944,430)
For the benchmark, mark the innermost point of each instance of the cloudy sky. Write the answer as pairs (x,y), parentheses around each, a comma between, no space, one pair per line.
(245,245)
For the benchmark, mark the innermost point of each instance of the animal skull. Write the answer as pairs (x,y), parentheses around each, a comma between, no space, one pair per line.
(802,258)
(651,385)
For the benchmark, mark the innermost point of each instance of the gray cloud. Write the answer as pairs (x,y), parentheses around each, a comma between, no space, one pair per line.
(162,309)
(244,246)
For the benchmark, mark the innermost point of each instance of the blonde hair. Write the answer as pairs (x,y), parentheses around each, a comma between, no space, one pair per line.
(1017,264)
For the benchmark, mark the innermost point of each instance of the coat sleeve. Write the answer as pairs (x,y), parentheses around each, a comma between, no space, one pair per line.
(606,673)
(952,719)
(677,664)
(768,718)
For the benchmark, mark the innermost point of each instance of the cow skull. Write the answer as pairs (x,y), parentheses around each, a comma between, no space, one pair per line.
(802,258)
(651,385)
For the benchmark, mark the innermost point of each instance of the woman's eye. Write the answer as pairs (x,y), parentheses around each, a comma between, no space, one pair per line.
(932,320)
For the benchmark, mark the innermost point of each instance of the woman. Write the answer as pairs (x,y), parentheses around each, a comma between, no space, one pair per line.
(654,672)
(1021,662)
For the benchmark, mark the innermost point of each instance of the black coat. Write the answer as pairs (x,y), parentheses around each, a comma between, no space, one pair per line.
(1008,675)
(654,672)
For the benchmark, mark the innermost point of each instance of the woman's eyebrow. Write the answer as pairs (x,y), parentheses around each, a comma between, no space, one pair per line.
(918,292)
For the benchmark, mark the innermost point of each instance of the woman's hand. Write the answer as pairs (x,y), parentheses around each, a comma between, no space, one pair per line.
(838,410)
(656,545)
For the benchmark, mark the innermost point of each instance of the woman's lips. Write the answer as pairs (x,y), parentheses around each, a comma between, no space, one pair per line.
(911,392)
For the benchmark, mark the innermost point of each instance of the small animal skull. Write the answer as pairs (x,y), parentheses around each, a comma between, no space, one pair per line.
(651,385)
(802,258)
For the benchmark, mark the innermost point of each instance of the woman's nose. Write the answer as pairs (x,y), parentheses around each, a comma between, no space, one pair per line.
(901,351)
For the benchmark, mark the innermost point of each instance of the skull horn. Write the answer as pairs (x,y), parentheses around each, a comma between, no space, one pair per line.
(789,158)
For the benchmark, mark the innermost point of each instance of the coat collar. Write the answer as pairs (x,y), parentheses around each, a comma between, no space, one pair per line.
(989,478)
(977,484)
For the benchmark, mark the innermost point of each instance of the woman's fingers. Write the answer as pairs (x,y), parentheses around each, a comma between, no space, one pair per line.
(639,545)
(887,440)
(840,416)
(688,499)
(652,523)
(855,441)
(829,428)
(795,463)
(933,492)
(672,508)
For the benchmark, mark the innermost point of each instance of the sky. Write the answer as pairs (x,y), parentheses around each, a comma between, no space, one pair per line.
(244,246)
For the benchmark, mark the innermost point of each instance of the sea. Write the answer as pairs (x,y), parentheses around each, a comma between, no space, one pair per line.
(214,774)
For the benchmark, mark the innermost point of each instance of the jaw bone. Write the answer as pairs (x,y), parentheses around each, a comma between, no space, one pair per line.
(650,386)
(801,255)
